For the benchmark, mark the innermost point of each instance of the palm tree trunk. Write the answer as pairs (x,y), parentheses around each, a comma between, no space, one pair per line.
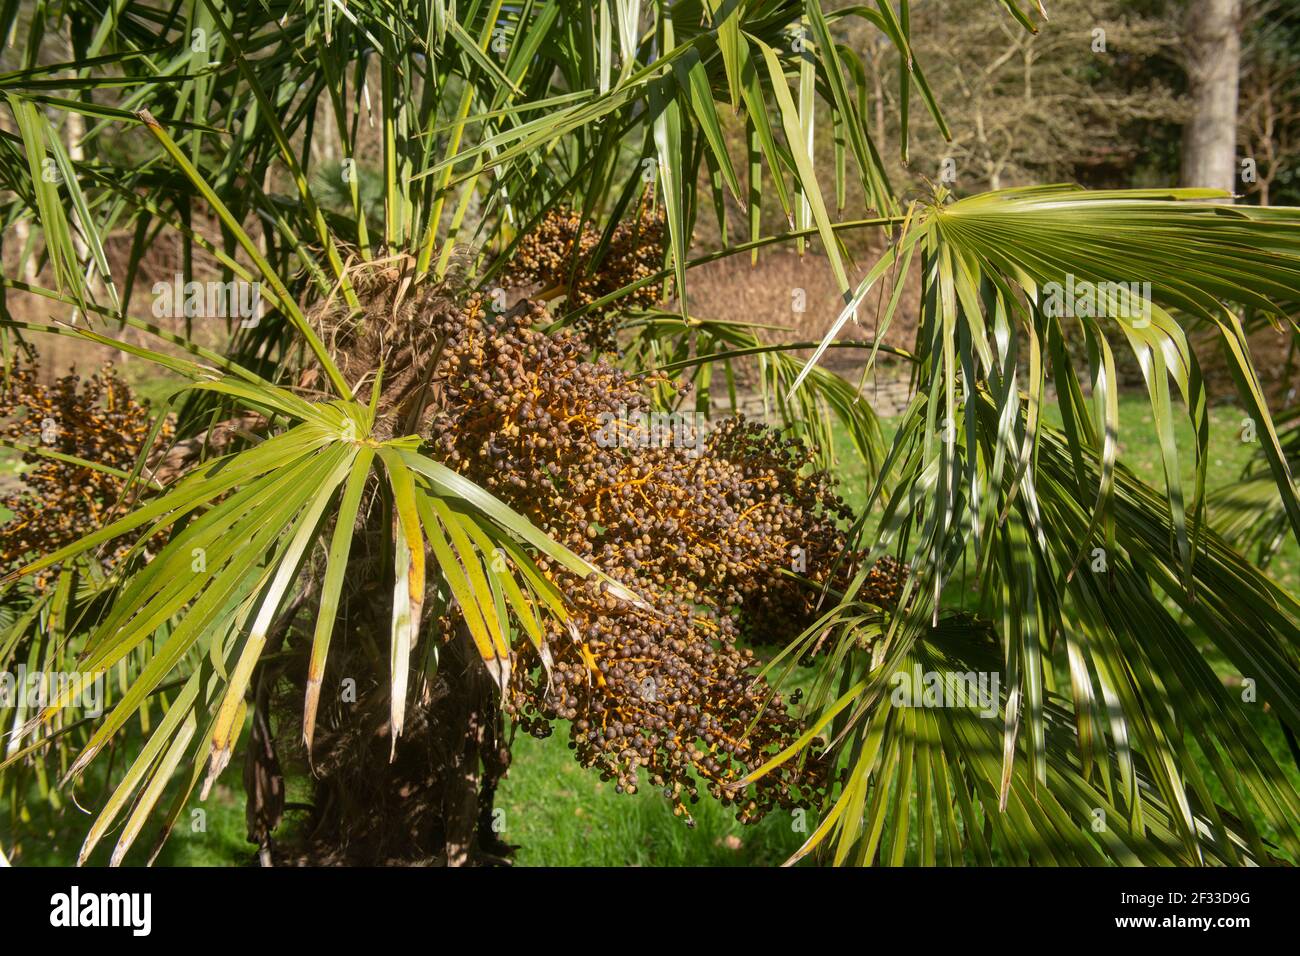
(429,803)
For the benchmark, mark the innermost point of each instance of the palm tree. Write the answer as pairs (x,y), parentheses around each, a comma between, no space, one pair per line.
(365,163)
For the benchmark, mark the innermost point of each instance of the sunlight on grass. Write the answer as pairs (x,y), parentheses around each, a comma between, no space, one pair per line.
(562,815)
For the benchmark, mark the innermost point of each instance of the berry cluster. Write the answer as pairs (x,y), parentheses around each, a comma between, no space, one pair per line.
(557,257)
(95,419)
(884,583)
(702,528)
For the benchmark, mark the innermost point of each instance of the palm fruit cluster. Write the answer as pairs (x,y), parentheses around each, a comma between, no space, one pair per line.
(96,419)
(884,583)
(700,527)
(557,258)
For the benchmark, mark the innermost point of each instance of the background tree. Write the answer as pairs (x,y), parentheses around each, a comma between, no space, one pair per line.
(1213,49)
(1065,102)
(1270,98)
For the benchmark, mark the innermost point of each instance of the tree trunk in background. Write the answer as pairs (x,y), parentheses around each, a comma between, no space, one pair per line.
(1213,66)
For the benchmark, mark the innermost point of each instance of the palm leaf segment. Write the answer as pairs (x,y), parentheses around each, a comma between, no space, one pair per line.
(1106,733)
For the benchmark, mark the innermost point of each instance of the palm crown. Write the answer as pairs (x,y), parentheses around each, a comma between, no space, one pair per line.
(309,147)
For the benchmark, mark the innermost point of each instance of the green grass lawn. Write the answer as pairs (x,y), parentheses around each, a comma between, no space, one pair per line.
(212,837)
(561,815)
